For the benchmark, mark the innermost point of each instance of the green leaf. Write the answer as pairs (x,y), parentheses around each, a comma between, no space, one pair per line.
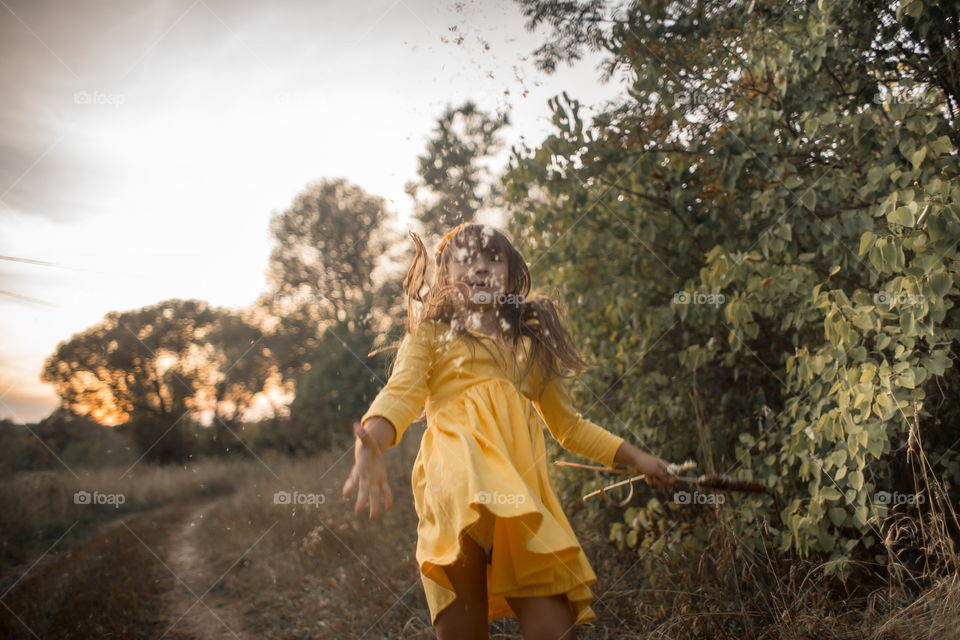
(938,362)
(838,516)
(907,379)
(908,322)
(941,283)
(907,147)
(855,479)
(941,145)
(917,157)
(860,515)
(830,493)
(902,216)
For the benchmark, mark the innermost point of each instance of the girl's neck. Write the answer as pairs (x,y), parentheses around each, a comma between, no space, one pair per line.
(484,321)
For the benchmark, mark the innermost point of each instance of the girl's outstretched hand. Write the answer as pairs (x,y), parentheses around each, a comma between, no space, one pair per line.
(655,469)
(369,475)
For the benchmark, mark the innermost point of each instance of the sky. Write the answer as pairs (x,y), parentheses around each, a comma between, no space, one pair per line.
(146,144)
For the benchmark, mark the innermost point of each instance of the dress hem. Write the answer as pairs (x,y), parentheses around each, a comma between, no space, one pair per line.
(577,591)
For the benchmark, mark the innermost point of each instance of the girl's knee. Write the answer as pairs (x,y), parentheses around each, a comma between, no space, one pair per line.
(466,617)
(545,617)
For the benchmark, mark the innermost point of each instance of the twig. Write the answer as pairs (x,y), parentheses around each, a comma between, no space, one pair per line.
(711,481)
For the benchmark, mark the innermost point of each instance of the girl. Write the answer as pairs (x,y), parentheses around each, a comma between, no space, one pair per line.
(492,538)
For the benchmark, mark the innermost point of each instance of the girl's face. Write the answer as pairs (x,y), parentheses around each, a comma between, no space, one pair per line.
(483,269)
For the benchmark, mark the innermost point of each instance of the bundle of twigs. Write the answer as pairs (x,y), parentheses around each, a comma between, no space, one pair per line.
(709,481)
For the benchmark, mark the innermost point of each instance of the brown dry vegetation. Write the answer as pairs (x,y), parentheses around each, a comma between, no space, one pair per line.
(186,559)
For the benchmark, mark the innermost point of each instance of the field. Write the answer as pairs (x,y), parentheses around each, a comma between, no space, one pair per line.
(204,552)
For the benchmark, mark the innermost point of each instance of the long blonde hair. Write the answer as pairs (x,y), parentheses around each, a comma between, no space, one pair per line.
(540,317)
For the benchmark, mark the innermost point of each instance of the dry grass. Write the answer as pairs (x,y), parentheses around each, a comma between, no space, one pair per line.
(103,587)
(320,571)
(728,592)
(38,506)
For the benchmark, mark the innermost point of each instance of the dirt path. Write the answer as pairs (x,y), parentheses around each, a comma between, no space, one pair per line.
(190,607)
(137,577)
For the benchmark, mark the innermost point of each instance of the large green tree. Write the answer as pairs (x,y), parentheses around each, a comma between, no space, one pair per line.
(340,382)
(327,244)
(163,368)
(455,181)
(759,248)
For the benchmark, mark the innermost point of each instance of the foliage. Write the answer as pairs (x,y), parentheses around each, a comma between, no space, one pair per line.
(453,184)
(333,393)
(159,365)
(326,246)
(760,249)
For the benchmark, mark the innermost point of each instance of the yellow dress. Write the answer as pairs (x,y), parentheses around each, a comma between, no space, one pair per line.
(482,467)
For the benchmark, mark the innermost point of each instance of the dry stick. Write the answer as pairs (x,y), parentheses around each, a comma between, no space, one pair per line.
(711,481)
(673,468)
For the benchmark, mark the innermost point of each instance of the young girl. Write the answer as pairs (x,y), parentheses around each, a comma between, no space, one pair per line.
(493,540)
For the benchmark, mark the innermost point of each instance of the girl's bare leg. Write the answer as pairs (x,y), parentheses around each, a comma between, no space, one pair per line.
(466,617)
(545,617)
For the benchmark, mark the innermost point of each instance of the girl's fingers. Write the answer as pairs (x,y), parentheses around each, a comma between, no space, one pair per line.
(371,486)
(374,501)
(389,495)
(362,497)
(350,484)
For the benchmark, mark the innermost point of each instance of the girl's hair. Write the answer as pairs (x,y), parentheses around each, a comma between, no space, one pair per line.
(539,317)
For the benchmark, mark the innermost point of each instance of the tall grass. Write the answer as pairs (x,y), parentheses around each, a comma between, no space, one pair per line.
(730,592)
(37,507)
(320,571)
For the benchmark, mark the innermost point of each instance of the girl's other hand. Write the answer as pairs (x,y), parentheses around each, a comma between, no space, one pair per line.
(369,475)
(655,469)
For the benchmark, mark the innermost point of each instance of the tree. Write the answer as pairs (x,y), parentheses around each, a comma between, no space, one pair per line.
(333,393)
(453,184)
(161,368)
(327,244)
(772,215)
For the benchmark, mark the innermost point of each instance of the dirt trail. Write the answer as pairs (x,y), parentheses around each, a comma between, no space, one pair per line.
(142,575)
(191,608)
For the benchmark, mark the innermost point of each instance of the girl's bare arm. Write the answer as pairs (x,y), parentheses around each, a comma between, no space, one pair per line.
(381,430)
(650,465)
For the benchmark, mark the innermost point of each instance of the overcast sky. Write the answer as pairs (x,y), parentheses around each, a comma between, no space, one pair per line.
(145,144)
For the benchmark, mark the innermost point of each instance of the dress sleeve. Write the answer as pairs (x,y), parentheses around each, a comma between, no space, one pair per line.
(571,430)
(402,398)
